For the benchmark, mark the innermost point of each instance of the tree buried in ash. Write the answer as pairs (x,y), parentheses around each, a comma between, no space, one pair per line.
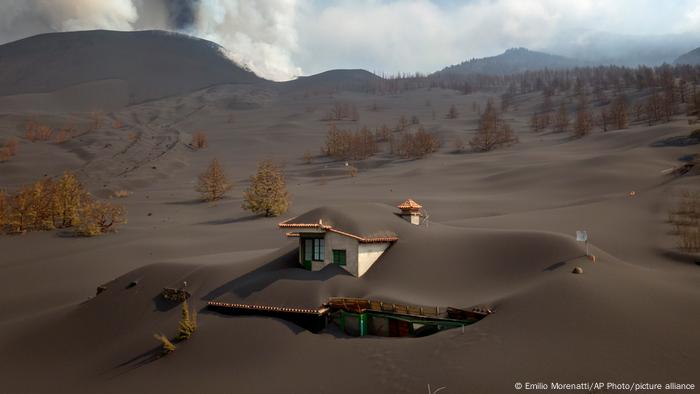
(267,194)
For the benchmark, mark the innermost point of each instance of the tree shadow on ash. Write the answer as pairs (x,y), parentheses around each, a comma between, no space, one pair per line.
(232,220)
(677,141)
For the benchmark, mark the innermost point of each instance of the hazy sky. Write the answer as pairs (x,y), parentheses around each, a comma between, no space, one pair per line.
(280,39)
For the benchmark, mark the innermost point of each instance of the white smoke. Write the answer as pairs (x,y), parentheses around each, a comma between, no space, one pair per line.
(259,34)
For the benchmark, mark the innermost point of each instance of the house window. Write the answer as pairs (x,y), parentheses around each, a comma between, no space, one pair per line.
(339,256)
(319,249)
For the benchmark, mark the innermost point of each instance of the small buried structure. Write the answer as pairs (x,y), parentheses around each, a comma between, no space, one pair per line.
(339,236)
(360,317)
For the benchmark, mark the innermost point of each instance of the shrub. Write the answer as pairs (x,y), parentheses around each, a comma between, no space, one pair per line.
(121,193)
(37,132)
(308,159)
(493,131)
(49,204)
(188,323)
(98,217)
(11,146)
(167,347)
(342,111)
(267,193)
(452,112)
(382,133)
(199,140)
(349,145)
(402,124)
(213,184)
(3,211)
(415,145)
(686,220)
(62,136)
(4,155)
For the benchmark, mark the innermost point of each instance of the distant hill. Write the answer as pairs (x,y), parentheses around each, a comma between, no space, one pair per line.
(141,65)
(512,61)
(692,57)
(355,79)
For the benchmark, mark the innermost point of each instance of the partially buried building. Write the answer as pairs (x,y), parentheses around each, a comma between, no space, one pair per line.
(352,239)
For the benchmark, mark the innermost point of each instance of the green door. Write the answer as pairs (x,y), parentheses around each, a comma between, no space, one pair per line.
(339,256)
(307,249)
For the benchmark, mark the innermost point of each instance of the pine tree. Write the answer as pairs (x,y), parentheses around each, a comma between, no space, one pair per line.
(187,325)
(584,120)
(493,131)
(213,184)
(68,197)
(267,193)
(561,120)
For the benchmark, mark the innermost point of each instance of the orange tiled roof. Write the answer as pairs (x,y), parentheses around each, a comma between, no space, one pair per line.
(325,227)
(409,204)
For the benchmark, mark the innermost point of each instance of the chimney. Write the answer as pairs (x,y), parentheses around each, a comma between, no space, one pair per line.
(410,211)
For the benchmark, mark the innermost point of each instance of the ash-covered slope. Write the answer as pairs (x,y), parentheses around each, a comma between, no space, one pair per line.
(353,80)
(512,61)
(148,64)
(692,57)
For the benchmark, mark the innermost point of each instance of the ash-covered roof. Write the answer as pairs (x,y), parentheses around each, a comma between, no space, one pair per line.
(364,222)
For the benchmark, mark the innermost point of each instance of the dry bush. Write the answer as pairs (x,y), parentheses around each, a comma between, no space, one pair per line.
(352,170)
(98,217)
(37,132)
(96,118)
(382,133)
(4,211)
(117,124)
(689,238)
(121,193)
(167,346)
(342,111)
(414,145)
(132,136)
(267,194)
(685,218)
(5,155)
(11,146)
(539,122)
(308,158)
(452,113)
(402,124)
(62,136)
(493,131)
(349,145)
(199,140)
(49,204)
(213,184)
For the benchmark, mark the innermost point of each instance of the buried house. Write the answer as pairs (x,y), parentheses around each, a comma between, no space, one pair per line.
(337,236)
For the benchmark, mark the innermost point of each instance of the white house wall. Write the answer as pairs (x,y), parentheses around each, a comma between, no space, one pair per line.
(337,241)
(368,254)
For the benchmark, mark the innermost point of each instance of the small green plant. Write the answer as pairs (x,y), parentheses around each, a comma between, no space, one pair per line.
(167,347)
